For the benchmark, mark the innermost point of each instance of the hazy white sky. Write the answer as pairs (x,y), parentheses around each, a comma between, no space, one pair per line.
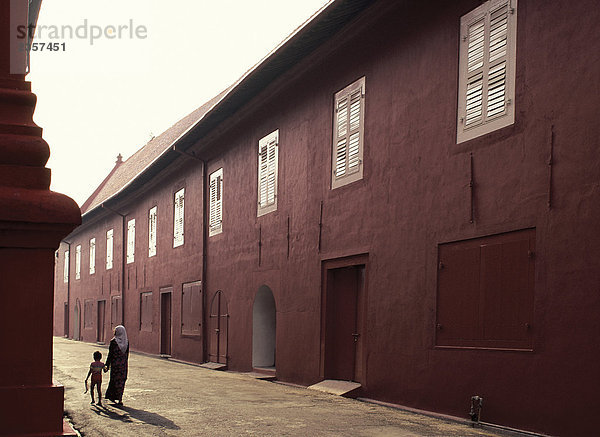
(105,95)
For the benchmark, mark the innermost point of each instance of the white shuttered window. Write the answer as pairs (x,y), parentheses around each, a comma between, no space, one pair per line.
(348,134)
(78,261)
(267,173)
(130,241)
(92,256)
(152,223)
(178,218)
(487,69)
(66,267)
(216,202)
(109,249)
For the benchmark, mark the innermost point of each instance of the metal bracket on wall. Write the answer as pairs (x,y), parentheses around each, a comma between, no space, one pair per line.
(259,244)
(320,225)
(288,237)
(472,190)
(550,164)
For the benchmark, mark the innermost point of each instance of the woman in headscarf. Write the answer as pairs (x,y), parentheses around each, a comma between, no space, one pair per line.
(118,354)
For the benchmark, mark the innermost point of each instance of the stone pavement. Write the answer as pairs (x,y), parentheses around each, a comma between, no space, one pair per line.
(166,398)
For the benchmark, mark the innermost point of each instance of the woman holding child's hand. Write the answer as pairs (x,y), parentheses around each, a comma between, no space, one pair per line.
(118,355)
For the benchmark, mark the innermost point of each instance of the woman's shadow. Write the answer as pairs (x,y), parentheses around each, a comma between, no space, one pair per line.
(133,413)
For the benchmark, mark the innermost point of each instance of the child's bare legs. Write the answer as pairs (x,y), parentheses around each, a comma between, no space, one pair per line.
(99,385)
(92,391)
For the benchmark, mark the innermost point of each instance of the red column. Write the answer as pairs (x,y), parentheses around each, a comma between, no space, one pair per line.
(33,220)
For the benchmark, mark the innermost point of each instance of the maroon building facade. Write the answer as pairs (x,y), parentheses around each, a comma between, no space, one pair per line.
(401,195)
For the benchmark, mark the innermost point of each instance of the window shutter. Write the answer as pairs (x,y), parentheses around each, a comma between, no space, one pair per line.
(66,267)
(178,218)
(130,241)
(487,64)
(109,249)
(474,105)
(216,202)
(78,261)
(92,256)
(348,134)
(152,231)
(496,91)
(267,172)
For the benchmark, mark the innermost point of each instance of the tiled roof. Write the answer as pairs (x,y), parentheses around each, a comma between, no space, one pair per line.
(315,31)
(124,172)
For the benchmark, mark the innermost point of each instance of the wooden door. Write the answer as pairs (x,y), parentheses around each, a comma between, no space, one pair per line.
(219,323)
(342,335)
(66,320)
(100,319)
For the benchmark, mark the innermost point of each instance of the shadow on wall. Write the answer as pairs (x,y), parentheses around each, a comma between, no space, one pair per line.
(126,414)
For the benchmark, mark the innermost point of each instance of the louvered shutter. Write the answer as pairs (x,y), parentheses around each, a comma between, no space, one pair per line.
(66,267)
(486,87)
(92,256)
(152,222)
(267,172)
(178,218)
(348,134)
(216,202)
(109,249)
(78,261)
(130,241)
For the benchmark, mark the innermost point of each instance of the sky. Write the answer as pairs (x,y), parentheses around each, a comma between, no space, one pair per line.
(126,70)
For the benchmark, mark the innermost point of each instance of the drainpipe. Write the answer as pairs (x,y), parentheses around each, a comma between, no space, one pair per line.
(68,243)
(123,258)
(204,252)
(204,246)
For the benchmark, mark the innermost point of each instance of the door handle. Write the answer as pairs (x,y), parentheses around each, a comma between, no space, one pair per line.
(355,337)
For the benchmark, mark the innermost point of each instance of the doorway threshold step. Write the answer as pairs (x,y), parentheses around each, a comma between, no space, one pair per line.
(263,373)
(214,366)
(348,389)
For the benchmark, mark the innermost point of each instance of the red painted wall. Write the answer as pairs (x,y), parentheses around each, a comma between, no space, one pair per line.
(414,195)
(171,267)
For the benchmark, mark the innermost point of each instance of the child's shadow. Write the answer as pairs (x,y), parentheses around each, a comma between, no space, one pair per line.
(129,413)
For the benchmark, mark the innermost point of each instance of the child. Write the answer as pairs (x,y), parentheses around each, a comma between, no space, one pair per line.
(96,372)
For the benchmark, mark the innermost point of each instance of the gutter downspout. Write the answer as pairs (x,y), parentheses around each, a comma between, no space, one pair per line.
(68,243)
(204,248)
(123,258)
(204,252)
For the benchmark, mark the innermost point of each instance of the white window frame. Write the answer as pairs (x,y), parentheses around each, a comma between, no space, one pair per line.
(216,203)
(268,163)
(348,134)
(92,256)
(78,261)
(130,241)
(152,228)
(178,217)
(66,267)
(109,249)
(476,75)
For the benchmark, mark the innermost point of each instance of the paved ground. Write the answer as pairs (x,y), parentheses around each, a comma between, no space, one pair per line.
(165,398)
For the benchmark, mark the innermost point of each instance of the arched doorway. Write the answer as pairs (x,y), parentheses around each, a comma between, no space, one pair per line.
(263,328)
(218,329)
(77,321)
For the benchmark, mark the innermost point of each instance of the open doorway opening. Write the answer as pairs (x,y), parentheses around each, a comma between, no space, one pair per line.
(165,321)
(263,329)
